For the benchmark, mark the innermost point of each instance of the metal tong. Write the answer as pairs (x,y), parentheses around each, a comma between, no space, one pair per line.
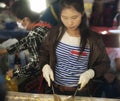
(55,96)
(69,98)
(72,98)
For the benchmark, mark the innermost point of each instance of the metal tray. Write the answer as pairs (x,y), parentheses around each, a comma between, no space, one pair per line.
(18,96)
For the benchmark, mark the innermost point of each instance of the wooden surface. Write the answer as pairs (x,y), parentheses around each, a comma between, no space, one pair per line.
(17,96)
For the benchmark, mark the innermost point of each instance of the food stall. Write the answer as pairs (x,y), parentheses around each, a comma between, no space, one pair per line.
(18,96)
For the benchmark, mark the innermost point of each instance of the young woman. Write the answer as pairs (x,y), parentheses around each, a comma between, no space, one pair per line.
(71,53)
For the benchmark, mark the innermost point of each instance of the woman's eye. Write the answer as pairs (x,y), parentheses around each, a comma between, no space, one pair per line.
(74,17)
(64,18)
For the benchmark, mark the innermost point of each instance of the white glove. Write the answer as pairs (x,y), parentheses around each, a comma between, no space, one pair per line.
(48,74)
(85,77)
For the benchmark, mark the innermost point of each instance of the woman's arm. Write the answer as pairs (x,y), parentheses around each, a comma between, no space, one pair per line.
(99,60)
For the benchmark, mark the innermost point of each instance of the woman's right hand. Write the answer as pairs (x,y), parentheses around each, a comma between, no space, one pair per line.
(48,74)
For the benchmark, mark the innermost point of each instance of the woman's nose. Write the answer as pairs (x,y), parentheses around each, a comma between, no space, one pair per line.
(70,22)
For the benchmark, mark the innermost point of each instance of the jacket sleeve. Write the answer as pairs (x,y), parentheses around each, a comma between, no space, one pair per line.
(99,60)
(44,51)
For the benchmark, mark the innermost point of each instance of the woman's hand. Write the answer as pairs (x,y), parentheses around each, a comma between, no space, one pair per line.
(48,74)
(85,77)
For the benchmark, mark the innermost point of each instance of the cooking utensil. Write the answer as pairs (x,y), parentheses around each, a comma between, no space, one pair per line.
(72,98)
(69,98)
(56,96)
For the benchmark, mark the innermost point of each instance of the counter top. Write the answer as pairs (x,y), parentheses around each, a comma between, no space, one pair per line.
(18,96)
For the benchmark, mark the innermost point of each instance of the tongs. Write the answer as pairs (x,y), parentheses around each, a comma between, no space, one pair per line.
(72,98)
(69,98)
(56,96)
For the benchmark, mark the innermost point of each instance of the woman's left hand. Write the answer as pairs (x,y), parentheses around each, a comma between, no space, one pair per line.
(85,77)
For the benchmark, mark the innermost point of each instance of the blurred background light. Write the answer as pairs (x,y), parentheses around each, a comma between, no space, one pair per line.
(2,5)
(104,32)
(38,5)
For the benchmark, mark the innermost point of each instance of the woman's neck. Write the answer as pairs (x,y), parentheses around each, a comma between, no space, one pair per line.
(75,33)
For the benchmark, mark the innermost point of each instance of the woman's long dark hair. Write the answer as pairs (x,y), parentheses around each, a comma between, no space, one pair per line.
(83,27)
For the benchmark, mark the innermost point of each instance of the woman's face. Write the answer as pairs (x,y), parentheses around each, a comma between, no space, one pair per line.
(71,18)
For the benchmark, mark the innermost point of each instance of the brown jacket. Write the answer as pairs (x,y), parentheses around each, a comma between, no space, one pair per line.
(98,60)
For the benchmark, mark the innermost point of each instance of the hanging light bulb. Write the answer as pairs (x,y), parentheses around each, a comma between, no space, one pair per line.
(2,5)
(38,5)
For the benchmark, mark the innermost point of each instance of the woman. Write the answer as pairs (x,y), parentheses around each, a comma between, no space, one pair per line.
(71,53)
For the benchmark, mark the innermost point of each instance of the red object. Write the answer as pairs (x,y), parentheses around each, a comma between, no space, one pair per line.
(43,24)
(76,52)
